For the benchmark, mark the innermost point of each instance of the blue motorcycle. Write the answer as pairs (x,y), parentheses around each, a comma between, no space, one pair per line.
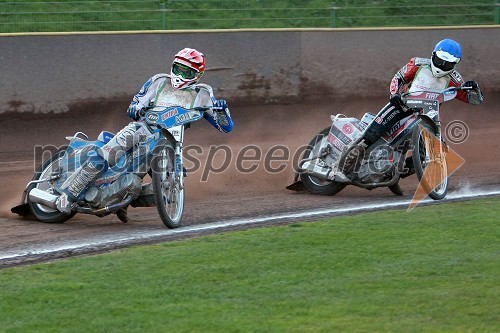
(123,184)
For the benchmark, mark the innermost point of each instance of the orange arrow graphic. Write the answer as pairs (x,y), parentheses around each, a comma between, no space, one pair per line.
(440,157)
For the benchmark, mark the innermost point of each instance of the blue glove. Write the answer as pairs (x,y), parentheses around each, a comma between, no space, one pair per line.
(134,113)
(223,118)
(220,105)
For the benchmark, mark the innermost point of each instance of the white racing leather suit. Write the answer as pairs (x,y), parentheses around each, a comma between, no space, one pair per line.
(414,76)
(157,91)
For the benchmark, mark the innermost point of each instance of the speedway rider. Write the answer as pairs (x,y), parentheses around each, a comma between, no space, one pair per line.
(177,89)
(436,73)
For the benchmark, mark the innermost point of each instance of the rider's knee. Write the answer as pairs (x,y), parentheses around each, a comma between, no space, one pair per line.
(97,162)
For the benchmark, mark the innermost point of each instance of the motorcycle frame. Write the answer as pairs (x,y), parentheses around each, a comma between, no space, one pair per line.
(410,125)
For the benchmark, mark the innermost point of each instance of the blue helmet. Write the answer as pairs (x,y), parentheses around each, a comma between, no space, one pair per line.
(446,55)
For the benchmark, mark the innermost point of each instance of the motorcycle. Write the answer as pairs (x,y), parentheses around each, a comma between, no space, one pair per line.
(121,185)
(413,145)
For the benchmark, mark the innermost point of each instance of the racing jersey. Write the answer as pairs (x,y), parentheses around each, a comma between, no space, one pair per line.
(158,91)
(417,75)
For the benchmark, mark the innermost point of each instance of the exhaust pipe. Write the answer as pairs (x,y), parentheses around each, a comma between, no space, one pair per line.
(315,170)
(44,198)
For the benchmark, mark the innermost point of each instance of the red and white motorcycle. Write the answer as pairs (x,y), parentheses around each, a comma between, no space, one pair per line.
(412,145)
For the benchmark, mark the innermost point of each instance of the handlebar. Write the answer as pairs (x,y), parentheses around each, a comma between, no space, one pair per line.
(198,87)
(202,108)
(144,110)
(438,95)
(450,89)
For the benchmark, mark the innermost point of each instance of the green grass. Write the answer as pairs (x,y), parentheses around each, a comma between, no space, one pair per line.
(435,269)
(113,15)
(202,14)
(79,15)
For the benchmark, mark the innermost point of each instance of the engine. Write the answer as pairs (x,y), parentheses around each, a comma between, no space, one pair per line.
(380,166)
(127,184)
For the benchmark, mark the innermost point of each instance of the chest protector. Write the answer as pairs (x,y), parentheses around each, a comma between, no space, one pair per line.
(168,96)
(424,80)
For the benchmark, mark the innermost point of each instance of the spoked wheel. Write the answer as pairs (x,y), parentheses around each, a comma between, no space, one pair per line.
(39,211)
(314,184)
(167,186)
(429,161)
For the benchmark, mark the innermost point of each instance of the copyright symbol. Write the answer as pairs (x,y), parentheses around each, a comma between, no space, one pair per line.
(457,131)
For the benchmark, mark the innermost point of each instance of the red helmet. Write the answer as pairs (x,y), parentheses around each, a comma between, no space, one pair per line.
(187,68)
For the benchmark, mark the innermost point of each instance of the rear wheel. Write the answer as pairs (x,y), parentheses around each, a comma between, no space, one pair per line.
(39,211)
(167,191)
(314,184)
(430,161)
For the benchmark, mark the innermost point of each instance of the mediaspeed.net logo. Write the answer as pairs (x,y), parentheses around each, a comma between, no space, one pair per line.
(442,163)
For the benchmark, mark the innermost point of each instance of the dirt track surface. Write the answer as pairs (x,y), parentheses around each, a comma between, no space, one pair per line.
(230,194)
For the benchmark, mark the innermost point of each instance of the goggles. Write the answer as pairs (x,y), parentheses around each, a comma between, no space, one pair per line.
(184,71)
(443,64)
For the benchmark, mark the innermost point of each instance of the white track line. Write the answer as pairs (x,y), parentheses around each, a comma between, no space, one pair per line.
(129,236)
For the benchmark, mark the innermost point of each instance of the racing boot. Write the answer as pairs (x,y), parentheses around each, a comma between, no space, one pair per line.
(122,214)
(90,170)
(350,161)
(64,204)
(353,157)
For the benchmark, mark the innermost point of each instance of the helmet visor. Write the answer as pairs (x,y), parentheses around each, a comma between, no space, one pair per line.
(443,64)
(184,71)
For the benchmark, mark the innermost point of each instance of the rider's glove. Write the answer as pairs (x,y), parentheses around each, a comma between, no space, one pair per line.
(475,94)
(222,110)
(471,84)
(135,113)
(220,105)
(396,100)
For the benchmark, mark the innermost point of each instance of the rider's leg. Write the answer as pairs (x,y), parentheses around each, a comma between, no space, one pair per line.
(88,172)
(383,121)
(107,156)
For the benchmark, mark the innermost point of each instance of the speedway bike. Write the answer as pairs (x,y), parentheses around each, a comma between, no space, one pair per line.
(123,184)
(413,145)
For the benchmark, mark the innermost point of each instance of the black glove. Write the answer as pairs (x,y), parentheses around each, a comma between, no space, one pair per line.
(396,100)
(142,112)
(471,84)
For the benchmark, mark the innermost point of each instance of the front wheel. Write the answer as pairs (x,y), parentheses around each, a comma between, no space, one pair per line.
(429,161)
(40,212)
(168,190)
(314,184)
